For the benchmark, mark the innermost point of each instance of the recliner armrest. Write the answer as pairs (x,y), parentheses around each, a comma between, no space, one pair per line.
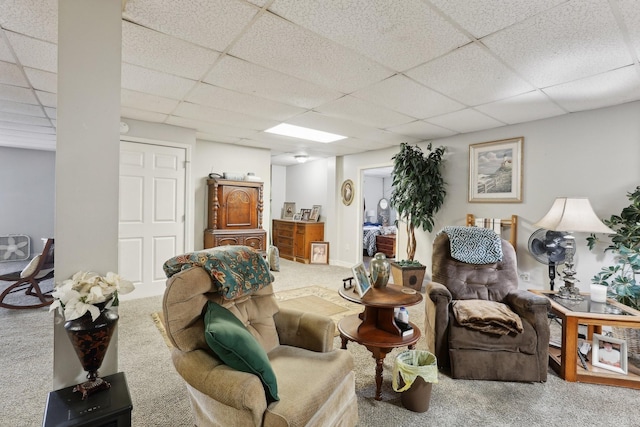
(441,298)
(239,390)
(305,330)
(528,305)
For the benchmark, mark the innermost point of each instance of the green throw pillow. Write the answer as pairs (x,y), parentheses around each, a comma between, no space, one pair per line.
(237,348)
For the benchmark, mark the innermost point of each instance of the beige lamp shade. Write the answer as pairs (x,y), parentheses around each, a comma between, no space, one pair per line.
(573,214)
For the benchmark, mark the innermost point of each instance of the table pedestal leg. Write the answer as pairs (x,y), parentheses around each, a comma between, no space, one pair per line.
(379,354)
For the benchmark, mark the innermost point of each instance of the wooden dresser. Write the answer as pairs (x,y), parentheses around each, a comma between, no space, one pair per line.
(293,238)
(234,214)
(386,245)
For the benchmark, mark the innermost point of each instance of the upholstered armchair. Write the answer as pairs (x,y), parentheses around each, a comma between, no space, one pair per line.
(315,383)
(479,352)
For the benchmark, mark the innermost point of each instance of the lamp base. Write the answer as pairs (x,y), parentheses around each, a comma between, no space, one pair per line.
(569,292)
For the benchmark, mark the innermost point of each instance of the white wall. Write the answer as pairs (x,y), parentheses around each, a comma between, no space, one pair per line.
(27,194)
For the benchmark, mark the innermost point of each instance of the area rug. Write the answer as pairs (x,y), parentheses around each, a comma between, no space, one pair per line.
(311,299)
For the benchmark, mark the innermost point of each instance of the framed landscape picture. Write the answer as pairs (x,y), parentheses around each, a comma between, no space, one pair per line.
(495,171)
(363,284)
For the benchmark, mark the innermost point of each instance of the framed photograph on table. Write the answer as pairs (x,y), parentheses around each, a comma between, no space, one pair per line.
(363,284)
(306,213)
(609,353)
(297,216)
(319,253)
(289,210)
(495,171)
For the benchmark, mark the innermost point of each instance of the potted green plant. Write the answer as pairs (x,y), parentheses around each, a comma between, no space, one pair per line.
(418,194)
(620,278)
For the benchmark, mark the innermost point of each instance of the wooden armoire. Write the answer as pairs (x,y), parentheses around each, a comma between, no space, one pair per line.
(234,210)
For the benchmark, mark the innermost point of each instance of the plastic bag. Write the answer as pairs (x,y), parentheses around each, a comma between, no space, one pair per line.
(413,363)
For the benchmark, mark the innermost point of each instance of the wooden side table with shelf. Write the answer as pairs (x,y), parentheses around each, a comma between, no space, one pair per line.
(564,360)
(375,327)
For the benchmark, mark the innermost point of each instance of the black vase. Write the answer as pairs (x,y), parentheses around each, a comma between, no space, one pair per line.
(90,339)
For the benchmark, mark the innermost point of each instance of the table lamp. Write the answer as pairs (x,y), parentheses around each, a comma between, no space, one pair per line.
(572,215)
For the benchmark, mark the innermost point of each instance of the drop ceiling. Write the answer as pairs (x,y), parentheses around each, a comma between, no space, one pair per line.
(380,72)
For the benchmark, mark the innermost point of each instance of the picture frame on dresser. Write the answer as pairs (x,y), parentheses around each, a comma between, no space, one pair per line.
(288,210)
(315,213)
(319,253)
(306,213)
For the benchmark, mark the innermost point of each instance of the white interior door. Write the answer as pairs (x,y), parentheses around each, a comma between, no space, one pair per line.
(152,213)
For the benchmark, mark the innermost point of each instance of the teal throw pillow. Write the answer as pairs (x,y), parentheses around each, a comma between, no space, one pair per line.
(237,348)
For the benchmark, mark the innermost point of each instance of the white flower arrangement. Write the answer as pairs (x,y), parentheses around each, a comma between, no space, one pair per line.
(80,294)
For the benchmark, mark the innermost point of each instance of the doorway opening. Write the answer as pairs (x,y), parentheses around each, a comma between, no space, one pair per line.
(378,218)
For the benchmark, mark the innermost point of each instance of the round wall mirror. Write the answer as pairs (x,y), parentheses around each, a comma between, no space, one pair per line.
(383,211)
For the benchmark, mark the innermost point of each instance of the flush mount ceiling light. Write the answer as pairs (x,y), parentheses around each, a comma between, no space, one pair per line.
(304,133)
(301,158)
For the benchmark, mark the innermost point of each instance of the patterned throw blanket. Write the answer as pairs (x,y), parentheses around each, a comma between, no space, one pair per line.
(487,316)
(474,245)
(235,270)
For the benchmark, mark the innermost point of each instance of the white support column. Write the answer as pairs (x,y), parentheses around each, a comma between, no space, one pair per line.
(87,157)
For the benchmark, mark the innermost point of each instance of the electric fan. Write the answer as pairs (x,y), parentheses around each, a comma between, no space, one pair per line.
(548,247)
(14,247)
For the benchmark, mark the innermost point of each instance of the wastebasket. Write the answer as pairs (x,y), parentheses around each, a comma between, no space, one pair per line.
(414,373)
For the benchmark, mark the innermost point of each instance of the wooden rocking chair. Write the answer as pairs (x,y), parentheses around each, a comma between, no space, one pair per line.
(29,280)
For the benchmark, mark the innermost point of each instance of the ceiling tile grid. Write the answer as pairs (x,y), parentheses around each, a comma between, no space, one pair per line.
(377,71)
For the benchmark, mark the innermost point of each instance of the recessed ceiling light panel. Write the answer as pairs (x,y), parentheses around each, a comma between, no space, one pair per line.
(304,133)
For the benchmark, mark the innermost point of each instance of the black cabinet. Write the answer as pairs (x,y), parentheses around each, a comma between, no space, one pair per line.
(106,408)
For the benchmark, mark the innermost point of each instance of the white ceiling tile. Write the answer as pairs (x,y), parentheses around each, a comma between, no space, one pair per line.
(408,97)
(17,94)
(52,113)
(630,12)
(146,115)
(151,49)
(27,143)
(575,40)
(360,111)
(606,89)
(400,35)
(522,108)
(25,134)
(36,18)
(212,23)
(470,75)
(214,96)
(144,101)
(217,137)
(5,53)
(154,82)
(48,130)
(422,130)
(242,76)
(25,119)
(465,121)
(47,99)
(10,74)
(387,137)
(21,108)
(217,115)
(42,80)
(280,45)
(34,53)
(210,127)
(482,17)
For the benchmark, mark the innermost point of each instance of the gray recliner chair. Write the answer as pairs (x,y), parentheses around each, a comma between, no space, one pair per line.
(469,353)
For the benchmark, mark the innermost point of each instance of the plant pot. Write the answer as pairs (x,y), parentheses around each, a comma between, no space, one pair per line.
(410,277)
